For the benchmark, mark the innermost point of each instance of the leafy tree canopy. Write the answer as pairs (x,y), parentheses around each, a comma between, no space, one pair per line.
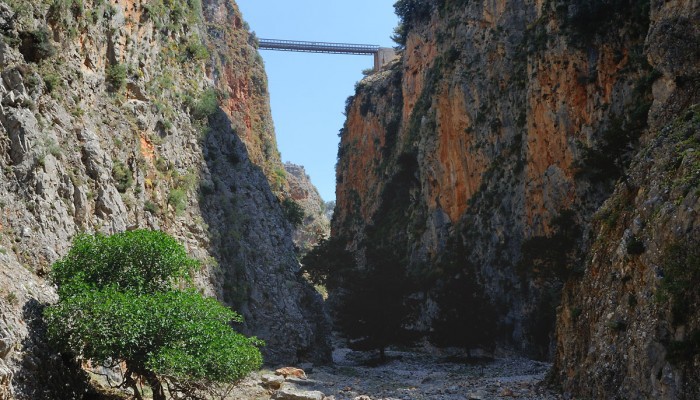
(118,303)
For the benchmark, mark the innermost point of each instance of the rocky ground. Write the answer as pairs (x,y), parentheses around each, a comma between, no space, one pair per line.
(408,375)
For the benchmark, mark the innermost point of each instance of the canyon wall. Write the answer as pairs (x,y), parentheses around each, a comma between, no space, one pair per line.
(141,114)
(481,159)
(313,224)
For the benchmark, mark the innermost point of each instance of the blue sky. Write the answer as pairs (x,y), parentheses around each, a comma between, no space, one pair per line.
(308,91)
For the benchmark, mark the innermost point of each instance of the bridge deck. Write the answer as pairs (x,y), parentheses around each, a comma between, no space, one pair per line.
(317,47)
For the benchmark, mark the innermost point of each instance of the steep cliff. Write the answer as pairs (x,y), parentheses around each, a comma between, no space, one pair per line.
(486,149)
(629,325)
(126,114)
(314,223)
(481,159)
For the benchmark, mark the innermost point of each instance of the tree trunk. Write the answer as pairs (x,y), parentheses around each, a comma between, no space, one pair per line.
(156,386)
(130,382)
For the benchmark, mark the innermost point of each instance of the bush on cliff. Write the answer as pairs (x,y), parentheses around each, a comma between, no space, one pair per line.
(410,13)
(118,303)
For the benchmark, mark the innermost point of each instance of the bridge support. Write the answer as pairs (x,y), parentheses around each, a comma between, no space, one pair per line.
(384,56)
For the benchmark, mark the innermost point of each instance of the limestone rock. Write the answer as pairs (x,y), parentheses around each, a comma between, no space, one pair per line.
(316,223)
(289,392)
(489,146)
(81,154)
(272,381)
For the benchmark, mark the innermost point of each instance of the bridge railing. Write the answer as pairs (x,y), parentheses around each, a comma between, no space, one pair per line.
(317,47)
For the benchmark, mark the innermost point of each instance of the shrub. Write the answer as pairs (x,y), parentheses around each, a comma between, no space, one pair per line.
(117,304)
(178,199)
(52,81)
(122,176)
(207,104)
(115,76)
(195,50)
(410,13)
(151,207)
(681,267)
(293,212)
(554,255)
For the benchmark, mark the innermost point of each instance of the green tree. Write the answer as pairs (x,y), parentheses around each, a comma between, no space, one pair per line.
(410,13)
(118,303)
(467,318)
(115,76)
(374,304)
(370,302)
(293,212)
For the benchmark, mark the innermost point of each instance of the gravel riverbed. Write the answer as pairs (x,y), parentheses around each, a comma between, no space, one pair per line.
(413,375)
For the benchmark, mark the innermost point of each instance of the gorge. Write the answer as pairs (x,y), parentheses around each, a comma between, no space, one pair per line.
(521,181)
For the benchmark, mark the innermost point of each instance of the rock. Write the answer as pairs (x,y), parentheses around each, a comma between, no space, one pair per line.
(5,381)
(270,381)
(315,223)
(307,367)
(7,18)
(59,149)
(288,392)
(291,371)
(13,80)
(362,398)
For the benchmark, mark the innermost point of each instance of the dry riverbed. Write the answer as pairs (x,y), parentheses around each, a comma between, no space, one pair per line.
(408,375)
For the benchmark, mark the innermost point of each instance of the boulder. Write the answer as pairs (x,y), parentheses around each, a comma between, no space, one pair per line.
(270,381)
(289,392)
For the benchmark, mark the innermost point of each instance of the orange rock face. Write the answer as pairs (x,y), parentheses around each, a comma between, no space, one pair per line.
(457,174)
(499,104)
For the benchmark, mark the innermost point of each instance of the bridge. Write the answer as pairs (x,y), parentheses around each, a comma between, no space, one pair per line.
(382,55)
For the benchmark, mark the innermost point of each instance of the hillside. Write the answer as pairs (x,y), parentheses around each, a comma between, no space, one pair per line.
(141,114)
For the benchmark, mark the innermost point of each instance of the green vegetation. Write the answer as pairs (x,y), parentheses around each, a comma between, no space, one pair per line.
(554,255)
(178,199)
(617,325)
(293,212)
(11,298)
(151,207)
(410,13)
(118,303)
(462,302)
(171,14)
(52,81)
(115,76)
(325,264)
(122,176)
(598,17)
(682,352)
(371,301)
(206,105)
(681,267)
(196,50)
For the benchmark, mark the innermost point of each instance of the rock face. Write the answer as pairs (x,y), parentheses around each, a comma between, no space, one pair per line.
(628,327)
(481,158)
(315,224)
(129,114)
